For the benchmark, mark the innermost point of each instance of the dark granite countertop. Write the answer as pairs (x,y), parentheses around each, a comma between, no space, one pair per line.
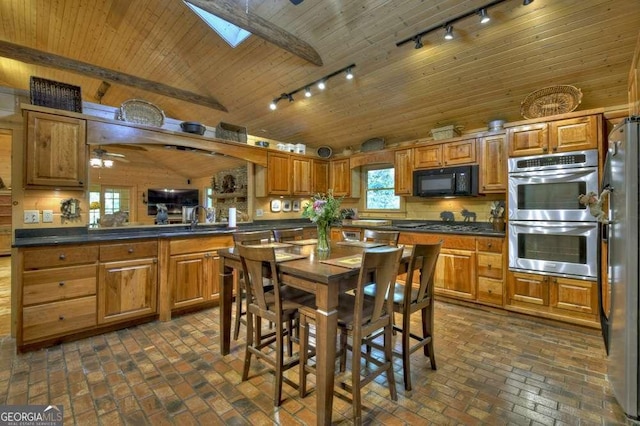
(53,236)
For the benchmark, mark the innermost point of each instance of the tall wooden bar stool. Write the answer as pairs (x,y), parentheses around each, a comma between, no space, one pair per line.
(279,306)
(409,298)
(387,237)
(284,235)
(251,238)
(360,317)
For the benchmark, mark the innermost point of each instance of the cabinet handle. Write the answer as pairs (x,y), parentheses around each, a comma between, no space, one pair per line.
(61,317)
(61,283)
(489,245)
(555,148)
(545,149)
(489,266)
(62,256)
(130,250)
(490,291)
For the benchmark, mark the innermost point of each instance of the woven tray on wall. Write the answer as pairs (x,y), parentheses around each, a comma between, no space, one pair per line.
(551,101)
(141,112)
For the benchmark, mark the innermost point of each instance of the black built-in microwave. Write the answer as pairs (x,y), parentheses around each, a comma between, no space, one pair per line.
(446,182)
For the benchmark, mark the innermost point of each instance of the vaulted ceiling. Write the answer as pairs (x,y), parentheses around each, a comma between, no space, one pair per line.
(398,93)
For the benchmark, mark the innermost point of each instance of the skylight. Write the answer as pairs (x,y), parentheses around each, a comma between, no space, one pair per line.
(232,34)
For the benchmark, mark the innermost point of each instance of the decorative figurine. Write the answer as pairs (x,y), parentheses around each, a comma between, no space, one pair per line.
(468,216)
(447,216)
(162,217)
(594,203)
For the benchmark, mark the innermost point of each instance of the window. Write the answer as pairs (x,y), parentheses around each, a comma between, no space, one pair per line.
(108,200)
(230,33)
(380,189)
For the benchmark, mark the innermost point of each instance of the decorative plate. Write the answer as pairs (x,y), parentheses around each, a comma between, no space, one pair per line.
(550,101)
(276,206)
(141,112)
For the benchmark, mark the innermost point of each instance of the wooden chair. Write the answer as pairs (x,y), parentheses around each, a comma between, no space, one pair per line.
(279,306)
(253,237)
(408,299)
(284,235)
(360,317)
(388,237)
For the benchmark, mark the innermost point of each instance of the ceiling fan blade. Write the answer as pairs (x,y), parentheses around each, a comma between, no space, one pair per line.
(114,154)
(132,147)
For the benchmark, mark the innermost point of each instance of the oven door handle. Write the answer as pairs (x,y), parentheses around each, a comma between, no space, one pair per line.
(539,224)
(549,176)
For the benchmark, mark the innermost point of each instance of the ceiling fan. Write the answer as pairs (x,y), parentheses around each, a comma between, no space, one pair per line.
(103,158)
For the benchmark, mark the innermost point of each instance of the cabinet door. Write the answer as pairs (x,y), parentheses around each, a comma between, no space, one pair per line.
(403,170)
(188,279)
(575,134)
(340,176)
(455,274)
(319,177)
(527,290)
(127,289)
(493,164)
(574,296)
(212,265)
(531,139)
(278,174)
(490,265)
(55,151)
(427,156)
(301,168)
(463,152)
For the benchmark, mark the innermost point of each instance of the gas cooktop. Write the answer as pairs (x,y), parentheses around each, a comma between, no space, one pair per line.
(445,227)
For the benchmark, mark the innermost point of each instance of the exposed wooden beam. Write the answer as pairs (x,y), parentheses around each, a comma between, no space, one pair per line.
(231,11)
(38,57)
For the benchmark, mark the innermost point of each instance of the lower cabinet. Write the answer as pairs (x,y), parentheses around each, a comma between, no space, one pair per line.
(490,269)
(565,299)
(455,274)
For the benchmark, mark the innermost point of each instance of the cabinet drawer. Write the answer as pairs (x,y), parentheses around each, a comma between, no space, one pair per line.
(123,251)
(49,285)
(490,244)
(49,257)
(490,291)
(490,265)
(50,319)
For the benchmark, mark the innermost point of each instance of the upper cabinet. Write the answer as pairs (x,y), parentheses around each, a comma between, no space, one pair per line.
(493,164)
(403,170)
(319,176)
(288,174)
(278,174)
(340,178)
(445,154)
(572,134)
(56,151)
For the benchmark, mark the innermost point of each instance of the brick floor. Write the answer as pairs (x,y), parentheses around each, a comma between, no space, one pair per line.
(494,368)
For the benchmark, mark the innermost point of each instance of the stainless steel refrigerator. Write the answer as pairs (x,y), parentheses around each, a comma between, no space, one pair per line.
(620,326)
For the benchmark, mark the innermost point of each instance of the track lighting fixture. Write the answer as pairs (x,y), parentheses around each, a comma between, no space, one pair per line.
(419,42)
(321,83)
(482,11)
(448,33)
(484,16)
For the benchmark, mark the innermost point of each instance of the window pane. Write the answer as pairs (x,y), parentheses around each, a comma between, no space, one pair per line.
(380,190)
(382,199)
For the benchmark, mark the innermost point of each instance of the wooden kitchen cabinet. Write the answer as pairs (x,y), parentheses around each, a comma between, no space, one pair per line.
(56,151)
(493,164)
(455,274)
(574,298)
(527,291)
(319,176)
(278,174)
(340,178)
(127,281)
(5,222)
(57,292)
(193,270)
(302,183)
(571,134)
(461,152)
(428,156)
(403,172)
(490,270)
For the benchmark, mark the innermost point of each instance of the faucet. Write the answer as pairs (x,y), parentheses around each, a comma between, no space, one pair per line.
(194,216)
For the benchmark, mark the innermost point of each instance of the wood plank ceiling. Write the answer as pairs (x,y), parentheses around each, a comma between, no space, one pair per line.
(399,93)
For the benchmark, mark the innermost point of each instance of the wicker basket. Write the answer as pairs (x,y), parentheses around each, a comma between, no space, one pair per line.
(53,94)
(231,132)
(551,101)
(141,112)
(446,132)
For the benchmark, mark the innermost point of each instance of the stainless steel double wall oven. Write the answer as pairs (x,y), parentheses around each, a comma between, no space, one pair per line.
(550,232)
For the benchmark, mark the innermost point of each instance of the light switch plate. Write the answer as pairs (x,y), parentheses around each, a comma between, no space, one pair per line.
(47,216)
(31,216)
(259,212)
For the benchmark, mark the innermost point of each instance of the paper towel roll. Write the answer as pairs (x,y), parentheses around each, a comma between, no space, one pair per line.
(232,217)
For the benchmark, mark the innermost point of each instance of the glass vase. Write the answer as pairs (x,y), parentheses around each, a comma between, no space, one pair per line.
(323,238)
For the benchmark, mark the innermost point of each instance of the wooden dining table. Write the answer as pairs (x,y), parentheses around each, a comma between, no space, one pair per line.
(324,274)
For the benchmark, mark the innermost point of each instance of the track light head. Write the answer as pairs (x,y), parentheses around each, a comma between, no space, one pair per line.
(307,92)
(484,16)
(418,41)
(273,105)
(349,74)
(448,34)
(321,85)
(527,2)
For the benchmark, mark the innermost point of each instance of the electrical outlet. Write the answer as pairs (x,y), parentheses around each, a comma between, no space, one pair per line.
(31,216)
(47,216)
(259,212)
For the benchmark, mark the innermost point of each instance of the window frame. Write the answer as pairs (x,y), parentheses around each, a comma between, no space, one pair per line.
(365,184)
